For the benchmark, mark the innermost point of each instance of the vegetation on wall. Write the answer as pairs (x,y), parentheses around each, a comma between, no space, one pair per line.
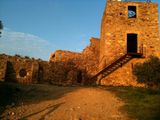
(148,72)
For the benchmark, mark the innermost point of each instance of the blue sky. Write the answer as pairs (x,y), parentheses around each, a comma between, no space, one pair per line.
(38,27)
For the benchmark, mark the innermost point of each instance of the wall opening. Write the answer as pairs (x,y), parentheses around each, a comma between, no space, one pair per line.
(132,12)
(40,74)
(22,72)
(79,77)
(131,43)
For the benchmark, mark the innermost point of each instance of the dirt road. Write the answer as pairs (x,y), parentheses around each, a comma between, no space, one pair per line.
(45,102)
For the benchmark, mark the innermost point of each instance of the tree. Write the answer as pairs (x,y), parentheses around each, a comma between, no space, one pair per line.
(148,72)
(1,27)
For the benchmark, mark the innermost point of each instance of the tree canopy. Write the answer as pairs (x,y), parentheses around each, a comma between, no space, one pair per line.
(148,72)
(1,25)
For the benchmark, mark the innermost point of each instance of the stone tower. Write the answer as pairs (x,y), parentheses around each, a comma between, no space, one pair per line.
(127,28)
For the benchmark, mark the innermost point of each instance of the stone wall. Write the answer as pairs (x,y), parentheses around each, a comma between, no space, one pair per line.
(68,68)
(113,42)
(63,68)
(3,67)
(116,25)
(78,67)
(17,69)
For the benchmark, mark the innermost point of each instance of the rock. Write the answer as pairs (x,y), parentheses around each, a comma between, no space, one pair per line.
(12,113)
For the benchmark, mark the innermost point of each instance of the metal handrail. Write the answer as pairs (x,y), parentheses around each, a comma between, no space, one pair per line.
(110,64)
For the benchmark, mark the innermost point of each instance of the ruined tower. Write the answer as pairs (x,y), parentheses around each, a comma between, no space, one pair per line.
(129,34)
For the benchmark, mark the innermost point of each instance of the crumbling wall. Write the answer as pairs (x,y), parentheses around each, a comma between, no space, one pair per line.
(90,60)
(3,67)
(63,68)
(18,69)
(63,55)
(75,67)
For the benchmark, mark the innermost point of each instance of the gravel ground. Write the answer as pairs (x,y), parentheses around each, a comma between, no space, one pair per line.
(46,102)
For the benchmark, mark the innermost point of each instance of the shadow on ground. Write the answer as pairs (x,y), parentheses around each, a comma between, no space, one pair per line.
(17,94)
(51,109)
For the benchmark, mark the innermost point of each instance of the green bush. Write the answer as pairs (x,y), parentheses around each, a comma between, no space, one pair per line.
(148,72)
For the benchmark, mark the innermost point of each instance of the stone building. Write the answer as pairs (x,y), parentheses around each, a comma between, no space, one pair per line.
(129,34)
(63,68)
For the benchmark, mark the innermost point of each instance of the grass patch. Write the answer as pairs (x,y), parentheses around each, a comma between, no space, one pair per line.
(140,103)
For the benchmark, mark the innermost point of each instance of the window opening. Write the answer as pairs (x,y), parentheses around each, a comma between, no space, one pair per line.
(132,12)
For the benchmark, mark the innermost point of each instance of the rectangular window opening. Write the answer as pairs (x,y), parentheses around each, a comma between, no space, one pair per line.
(132,12)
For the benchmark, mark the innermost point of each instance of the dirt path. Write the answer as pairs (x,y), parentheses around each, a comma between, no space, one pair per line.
(66,103)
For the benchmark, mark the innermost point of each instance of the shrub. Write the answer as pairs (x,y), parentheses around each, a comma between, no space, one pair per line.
(148,72)
(16,55)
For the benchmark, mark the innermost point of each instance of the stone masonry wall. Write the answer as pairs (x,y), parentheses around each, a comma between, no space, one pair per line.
(64,67)
(77,66)
(3,67)
(116,25)
(17,69)
(68,68)
(113,42)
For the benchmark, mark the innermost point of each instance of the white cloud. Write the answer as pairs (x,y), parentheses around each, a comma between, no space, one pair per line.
(24,44)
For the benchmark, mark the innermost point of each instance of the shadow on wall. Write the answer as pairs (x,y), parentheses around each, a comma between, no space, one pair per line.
(68,72)
(10,73)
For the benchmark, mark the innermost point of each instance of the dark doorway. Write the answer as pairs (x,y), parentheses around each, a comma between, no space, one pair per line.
(79,77)
(40,74)
(131,43)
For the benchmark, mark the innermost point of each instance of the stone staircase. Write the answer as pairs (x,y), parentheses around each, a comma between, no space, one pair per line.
(119,62)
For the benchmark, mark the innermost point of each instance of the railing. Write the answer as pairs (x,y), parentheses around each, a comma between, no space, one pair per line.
(115,58)
(110,65)
(142,50)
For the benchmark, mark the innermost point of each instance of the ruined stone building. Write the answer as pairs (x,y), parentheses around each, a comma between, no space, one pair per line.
(129,34)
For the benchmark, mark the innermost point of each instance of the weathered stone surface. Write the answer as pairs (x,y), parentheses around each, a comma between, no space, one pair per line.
(3,67)
(113,42)
(84,64)
(68,68)
(18,69)
(63,68)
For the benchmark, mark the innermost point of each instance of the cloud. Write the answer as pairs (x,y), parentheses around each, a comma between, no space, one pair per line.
(24,44)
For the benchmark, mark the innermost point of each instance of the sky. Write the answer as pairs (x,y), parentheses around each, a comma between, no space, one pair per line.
(37,28)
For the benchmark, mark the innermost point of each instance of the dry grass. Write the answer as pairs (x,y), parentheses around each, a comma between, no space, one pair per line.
(140,103)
